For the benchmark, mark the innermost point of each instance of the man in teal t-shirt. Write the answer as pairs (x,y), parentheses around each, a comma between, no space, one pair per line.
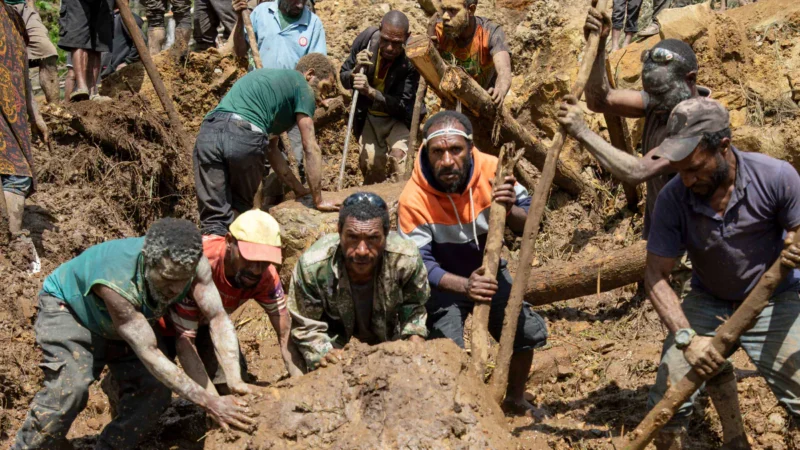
(94,312)
(231,147)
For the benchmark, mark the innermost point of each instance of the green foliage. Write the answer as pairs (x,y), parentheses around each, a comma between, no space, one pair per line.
(49,11)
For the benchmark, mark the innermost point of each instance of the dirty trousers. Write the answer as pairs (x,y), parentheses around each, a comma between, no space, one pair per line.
(381,135)
(626,15)
(208,15)
(72,358)
(181,10)
(229,159)
(773,345)
(448,311)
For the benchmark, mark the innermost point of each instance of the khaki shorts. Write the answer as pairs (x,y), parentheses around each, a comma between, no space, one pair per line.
(380,135)
(40,46)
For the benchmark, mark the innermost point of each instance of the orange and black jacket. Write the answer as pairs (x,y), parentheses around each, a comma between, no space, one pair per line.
(450,229)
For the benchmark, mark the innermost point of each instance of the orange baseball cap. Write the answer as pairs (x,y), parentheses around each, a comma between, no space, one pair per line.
(258,235)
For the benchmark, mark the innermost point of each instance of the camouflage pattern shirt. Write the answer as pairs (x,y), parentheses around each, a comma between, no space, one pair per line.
(321,304)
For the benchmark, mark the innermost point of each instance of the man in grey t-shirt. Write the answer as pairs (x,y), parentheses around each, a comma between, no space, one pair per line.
(732,212)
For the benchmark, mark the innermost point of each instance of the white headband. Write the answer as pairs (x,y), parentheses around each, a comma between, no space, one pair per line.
(445,132)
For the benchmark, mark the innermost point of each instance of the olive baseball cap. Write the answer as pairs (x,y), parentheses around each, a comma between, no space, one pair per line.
(686,125)
(258,236)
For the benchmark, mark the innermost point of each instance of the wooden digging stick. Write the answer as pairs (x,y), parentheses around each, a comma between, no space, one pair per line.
(147,60)
(727,336)
(617,130)
(491,257)
(353,106)
(413,139)
(251,37)
(542,191)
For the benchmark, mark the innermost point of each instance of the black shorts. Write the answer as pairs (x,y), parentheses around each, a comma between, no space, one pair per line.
(85,24)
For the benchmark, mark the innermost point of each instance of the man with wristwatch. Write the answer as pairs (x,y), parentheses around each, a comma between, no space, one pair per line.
(731,211)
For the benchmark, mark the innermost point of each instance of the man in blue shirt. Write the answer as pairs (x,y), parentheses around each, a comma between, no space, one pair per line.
(285,31)
(731,212)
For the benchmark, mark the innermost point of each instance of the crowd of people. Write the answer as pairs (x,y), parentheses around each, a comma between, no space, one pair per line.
(135,305)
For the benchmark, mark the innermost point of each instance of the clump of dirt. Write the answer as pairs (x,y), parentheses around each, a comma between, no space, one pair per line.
(392,395)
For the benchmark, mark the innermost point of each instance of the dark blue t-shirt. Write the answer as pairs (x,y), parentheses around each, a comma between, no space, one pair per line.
(729,254)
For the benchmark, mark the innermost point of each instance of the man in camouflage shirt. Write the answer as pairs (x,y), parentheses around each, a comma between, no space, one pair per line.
(363,282)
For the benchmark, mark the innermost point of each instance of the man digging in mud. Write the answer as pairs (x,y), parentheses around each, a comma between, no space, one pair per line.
(95,311)
(365,282)
(475,44)
(232,143)
(388,88)
(729,210)
(242,267)
(444,209)
(285,31)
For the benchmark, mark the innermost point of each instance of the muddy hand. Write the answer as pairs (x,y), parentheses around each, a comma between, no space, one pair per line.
(597,21)
(328,206)
(703,357)
(239,5)
(240,388)
(570,116)
(481,288)
(332,357)
(504,193)
(499,92)
(790,256)
(361,84)
(363,60)
(230,411)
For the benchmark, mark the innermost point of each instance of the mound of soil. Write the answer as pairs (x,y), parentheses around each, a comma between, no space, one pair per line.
(393,395)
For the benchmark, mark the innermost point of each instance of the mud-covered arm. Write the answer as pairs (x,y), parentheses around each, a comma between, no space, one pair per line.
(191,362)
(313,161)
(282,323)
(134,329)
(239,35)
(282,169)
(416,291)
(502,63)
(223,335)
(33,108)
(659,291)
(309,331)
(601,98)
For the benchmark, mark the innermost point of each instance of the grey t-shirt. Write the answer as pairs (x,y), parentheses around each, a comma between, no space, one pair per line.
(729,253)
(655,131)
(363,295)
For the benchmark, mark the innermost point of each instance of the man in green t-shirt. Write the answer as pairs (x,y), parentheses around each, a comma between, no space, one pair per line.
(97,310)
(230,151)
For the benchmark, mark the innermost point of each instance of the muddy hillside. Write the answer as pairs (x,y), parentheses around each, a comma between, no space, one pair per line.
(116,167)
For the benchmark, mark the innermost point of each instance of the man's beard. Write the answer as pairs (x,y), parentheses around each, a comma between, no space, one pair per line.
(161,301)
(239,283)
(458,185)
(719,177)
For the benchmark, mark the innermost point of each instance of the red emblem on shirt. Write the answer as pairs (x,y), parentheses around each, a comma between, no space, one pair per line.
(303,41)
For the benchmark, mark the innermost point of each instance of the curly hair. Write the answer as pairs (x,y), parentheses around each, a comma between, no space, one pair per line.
(712,141)
(363,211)
(177,239)
(323,68)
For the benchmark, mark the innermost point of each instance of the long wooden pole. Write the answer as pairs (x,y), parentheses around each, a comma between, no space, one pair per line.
(491,257)
(413,139)
(251,37)
(350,119)
(149,66)
(727,336)
(540,195)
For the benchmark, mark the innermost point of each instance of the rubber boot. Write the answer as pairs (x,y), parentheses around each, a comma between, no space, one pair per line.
(725,397)
(181,44)
(155,39)
(48,78)
(670,439)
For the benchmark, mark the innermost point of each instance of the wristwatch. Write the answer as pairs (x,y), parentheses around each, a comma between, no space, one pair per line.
(683,337)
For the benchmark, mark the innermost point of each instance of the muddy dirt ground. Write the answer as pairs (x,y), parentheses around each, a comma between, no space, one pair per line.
(116,167)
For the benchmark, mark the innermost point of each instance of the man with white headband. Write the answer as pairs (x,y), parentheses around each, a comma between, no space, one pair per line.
(444,209)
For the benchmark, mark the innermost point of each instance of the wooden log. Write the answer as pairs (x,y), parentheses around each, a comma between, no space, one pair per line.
(563,281)
(422,53)
(459,84)
(727,336)
(618,132)
(332,112)
(244,15)
(413,139)
(540,194)
(491,258)
(158,85)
